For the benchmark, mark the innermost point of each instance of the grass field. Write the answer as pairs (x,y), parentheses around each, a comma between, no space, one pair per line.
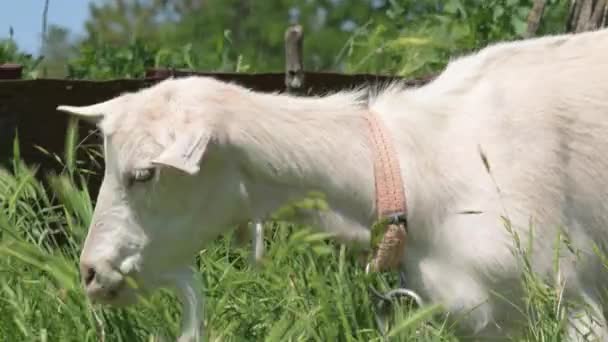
(308,290)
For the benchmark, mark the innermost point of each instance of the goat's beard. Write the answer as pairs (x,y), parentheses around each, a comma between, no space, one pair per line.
(188,289)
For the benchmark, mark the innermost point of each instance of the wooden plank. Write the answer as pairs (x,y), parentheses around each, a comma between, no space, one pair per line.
(10,71)
(316,82)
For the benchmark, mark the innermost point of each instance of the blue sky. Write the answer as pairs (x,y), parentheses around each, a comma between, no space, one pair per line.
(25,16)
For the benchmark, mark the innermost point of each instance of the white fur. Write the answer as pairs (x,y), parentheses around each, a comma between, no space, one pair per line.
(537,109)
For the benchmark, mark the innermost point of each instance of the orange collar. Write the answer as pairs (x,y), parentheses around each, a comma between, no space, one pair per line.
(390,195)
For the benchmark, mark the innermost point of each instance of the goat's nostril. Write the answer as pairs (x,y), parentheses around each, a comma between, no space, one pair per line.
(89,275)
(112,293)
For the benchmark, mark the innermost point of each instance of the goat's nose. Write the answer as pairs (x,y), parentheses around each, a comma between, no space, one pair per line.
(88,276)
(101,281)
(87,272)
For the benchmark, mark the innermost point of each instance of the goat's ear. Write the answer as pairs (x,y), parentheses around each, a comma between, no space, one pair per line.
(186,152)
(93,114)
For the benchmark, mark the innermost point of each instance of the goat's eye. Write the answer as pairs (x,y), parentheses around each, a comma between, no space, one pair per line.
(142,175)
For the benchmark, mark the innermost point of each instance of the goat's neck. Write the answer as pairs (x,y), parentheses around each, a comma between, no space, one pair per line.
(291,146)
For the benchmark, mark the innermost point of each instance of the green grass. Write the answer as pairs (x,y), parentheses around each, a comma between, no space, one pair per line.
(310,289)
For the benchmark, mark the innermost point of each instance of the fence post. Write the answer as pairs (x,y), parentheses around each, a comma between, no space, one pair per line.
(294,65)
(294,82)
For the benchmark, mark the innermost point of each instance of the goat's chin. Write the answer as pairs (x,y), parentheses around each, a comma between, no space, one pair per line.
(188,290)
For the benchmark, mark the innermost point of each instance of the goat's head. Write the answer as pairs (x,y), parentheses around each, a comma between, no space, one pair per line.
(168,186)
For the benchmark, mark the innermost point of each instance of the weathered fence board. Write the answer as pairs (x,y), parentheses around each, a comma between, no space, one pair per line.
(9,71)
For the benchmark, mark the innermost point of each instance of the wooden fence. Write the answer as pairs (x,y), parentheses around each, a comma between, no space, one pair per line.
(28,106)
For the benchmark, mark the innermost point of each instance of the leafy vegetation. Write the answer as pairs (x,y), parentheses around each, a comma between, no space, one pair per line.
(9,52)
(433,33)
(405,37)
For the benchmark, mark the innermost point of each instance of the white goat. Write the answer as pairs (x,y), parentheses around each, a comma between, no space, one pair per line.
(188,158)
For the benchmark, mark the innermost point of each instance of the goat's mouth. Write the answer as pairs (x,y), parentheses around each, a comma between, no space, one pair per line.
(127,292)
(120,296)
